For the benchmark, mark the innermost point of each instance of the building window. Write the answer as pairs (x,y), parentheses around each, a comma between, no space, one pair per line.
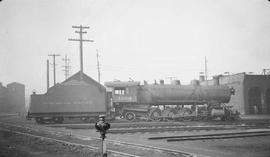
(119,91)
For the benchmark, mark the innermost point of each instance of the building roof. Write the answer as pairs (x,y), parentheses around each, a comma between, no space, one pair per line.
(76,80)
(15,83)
(85,78)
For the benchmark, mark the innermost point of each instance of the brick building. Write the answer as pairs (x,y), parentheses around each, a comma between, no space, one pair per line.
(252,92)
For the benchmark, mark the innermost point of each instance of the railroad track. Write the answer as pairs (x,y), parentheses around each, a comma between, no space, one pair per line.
(118,125)
(167,129)
(136,129)
(122,128)
(213,136)
(115,148)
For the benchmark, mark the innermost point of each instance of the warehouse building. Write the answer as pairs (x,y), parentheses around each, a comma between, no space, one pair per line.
(252,92)
(3,98)
(12,98)
(16,97)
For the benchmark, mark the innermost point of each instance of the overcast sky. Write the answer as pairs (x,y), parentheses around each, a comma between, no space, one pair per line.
(138,39)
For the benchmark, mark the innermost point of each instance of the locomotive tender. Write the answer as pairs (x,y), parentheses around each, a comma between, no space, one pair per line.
(73,98)
(86,99)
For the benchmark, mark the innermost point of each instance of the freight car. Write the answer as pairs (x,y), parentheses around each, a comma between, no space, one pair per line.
(72,99)
(170,101)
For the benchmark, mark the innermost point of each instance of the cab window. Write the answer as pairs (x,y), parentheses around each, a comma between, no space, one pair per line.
(119,91)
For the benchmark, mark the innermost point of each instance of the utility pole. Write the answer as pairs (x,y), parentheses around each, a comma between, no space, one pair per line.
(81,40)
(54,75)
(205,68)
(98,68)
(265,71)
(66,67)
(48,75)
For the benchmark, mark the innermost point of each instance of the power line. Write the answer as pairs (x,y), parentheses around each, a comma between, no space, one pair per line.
(54,75)
(98,67)
(81,40)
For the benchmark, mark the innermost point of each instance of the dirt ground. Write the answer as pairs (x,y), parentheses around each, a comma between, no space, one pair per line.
(47,144)
(21,146)
(14,145)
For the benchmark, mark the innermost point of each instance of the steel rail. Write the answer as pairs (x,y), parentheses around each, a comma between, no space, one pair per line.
(213,136)
(219,134)
(116,125)
(218,137)
(165,129)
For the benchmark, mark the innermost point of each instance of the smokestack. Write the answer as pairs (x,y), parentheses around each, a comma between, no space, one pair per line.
(145,82)
(195,82)
(201,78)
(175,82)
(216,80)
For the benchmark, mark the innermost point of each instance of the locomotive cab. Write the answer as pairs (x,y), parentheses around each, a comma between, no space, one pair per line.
(123,92)
(124,95)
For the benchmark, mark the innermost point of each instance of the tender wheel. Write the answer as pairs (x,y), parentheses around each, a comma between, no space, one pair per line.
(39,120)
(58,120)
(85,119)
(188,118)
(130,116)
(179,119)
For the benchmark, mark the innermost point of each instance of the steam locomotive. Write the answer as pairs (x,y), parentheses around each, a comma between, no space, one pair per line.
(84,98)
(171,101)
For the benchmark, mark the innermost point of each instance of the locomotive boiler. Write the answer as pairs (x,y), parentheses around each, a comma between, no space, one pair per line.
(168,101)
